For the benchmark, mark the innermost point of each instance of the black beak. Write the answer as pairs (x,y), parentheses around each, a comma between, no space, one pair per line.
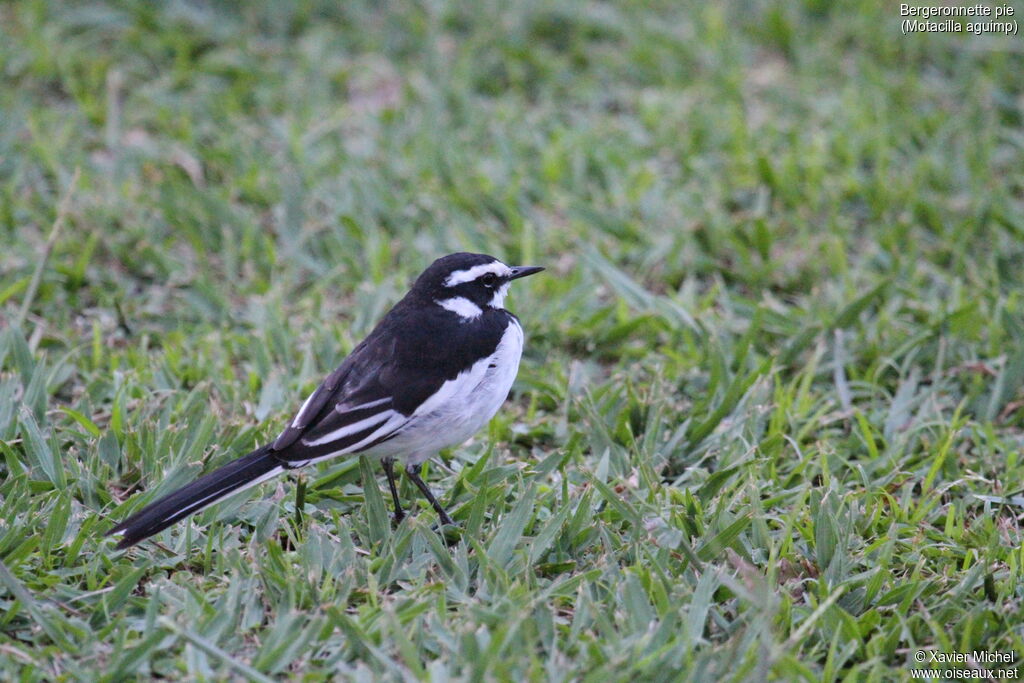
(523,271)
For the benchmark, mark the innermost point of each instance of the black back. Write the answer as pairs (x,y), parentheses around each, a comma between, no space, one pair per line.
(415,348)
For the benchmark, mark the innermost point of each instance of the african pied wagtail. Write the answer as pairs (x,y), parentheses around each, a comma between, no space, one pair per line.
(429,376)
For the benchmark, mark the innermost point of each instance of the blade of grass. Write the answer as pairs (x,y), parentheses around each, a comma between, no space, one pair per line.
(51,240)
(214,651)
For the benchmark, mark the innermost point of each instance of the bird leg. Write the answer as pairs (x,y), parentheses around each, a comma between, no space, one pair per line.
(389,470)
(413,472)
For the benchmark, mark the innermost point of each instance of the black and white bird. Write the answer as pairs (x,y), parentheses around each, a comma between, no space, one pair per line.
(431,374)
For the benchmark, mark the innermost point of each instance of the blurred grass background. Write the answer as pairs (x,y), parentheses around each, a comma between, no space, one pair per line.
(769,418)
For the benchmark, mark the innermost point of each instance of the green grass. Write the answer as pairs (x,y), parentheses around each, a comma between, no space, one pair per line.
(769,418)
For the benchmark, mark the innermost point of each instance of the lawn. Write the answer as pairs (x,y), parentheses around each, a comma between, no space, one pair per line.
(770,415)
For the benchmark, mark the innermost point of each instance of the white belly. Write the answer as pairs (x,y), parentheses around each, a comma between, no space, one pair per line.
(461,407)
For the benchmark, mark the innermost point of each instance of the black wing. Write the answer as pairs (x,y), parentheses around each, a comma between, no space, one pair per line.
(350,410)
(369,398)
(352,379)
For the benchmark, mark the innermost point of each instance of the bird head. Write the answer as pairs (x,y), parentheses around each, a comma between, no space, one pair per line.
(468,284)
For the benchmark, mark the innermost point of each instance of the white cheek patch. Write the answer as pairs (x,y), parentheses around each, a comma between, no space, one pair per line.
(498,300)
(468,275)
(461,306)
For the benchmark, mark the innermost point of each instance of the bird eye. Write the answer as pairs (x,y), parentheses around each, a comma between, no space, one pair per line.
(489,280)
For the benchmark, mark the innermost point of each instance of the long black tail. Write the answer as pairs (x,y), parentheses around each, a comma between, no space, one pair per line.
(234,477)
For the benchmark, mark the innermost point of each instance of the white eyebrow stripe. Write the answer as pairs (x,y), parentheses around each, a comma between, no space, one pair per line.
(470,274)
(461,306)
